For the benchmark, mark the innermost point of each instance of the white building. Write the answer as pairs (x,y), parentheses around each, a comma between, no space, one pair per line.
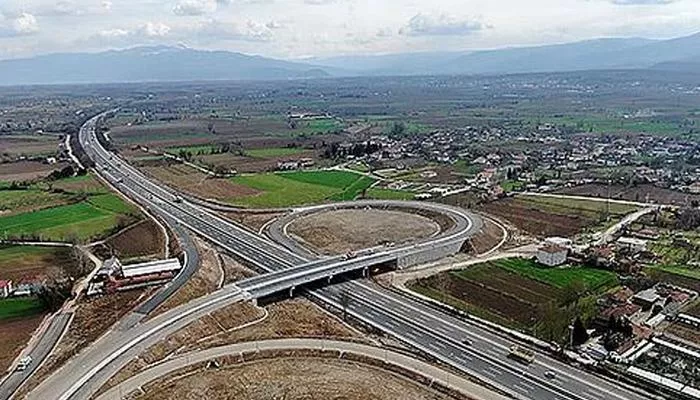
(633,243)
(552,255)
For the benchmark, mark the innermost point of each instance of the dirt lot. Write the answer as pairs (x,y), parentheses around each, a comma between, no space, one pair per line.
(533,221)
(233,270)
(18,265)
(18,145)
(337,232)
(197,183)
(641,193)
(143,239)
(245,164)
(221,327)
(204,281)
(26,170)
(292,378)
(15,334)
(684,332)
(507,297)
(489,237)
(93,317)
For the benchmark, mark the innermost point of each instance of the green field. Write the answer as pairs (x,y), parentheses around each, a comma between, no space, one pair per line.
(20,307)
(388,194)
(610,124)
(593,279)
(49,219)
(303,187)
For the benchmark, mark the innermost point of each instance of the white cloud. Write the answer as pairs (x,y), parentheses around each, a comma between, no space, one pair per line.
(195,7)
(443,24)
(25,24)
(641,2)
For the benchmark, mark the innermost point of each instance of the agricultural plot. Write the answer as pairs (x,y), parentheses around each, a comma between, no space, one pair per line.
(22,171)
(513,292)
(20,307)
(680,255)
(545,216)
(297,188)
(83,211)
(19,262)
(640,193)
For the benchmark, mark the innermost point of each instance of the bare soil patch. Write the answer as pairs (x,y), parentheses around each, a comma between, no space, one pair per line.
(50,261)
(684,332)
(27,145)
(341,231)
(233,270)
(292,378)
(143,239)
(15,335)
(535,221)
(197,183)
(204,281)
(489,237)
(639,193)
(245,164)
(26,170)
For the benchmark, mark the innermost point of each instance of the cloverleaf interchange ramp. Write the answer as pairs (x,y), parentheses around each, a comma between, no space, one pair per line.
(438,336)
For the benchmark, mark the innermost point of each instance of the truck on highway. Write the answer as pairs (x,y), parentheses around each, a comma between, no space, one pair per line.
(178,199)
(521,354)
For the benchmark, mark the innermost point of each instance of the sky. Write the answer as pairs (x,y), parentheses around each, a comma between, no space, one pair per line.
(294,29)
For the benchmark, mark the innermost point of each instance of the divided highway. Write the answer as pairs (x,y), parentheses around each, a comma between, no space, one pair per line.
(463,345)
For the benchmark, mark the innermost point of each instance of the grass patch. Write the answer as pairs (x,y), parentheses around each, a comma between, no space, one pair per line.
(679,270)
(20,307)
(389,194)
(302,187)
(594,279)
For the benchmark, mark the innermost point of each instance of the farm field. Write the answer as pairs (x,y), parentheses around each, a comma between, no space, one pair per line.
(15,334)
(388,194)
(512,292)
(298,188)
(19,262)
(544,216)
(640,193)
(84,210)
(20,307)
(13,146)
(26,170)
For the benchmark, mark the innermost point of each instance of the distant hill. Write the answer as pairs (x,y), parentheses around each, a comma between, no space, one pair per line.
(162,63)
(158,63)
(629,53)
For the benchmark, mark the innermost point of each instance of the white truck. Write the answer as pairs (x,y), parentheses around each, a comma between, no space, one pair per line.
(23,363)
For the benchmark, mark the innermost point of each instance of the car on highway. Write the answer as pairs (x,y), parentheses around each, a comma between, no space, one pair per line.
(467,342)
(549,374)
(23,363)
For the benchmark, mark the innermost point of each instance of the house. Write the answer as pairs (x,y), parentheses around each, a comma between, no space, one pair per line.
(5,288)
(646,298)
(636,245)
(552,255)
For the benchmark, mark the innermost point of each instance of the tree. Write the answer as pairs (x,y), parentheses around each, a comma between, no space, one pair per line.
(573,291)
(579,335)
(398,129)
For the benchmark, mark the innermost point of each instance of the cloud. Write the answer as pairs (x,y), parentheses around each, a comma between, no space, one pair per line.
(641,2)
(23,24)
(215,30)
(441,25)
(195,7)
(148,32)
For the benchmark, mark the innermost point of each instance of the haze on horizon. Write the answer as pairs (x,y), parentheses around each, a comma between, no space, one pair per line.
(295,29)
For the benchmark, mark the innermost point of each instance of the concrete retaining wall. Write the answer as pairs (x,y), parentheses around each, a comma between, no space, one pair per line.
(428,254)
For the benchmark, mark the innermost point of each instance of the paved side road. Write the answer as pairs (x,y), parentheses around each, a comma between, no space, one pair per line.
(409,363)
(43,348)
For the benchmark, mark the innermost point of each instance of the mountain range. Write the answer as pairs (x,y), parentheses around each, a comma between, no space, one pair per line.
(163,63)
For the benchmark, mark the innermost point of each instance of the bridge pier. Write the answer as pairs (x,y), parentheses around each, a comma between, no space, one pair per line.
(365,272)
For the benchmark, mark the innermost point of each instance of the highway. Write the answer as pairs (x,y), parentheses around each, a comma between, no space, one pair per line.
(437,335)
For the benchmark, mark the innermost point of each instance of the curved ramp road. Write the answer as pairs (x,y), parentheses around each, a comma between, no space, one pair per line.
(421,326)
(410,364)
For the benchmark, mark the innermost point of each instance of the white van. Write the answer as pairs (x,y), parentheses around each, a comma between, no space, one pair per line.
(24,363)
